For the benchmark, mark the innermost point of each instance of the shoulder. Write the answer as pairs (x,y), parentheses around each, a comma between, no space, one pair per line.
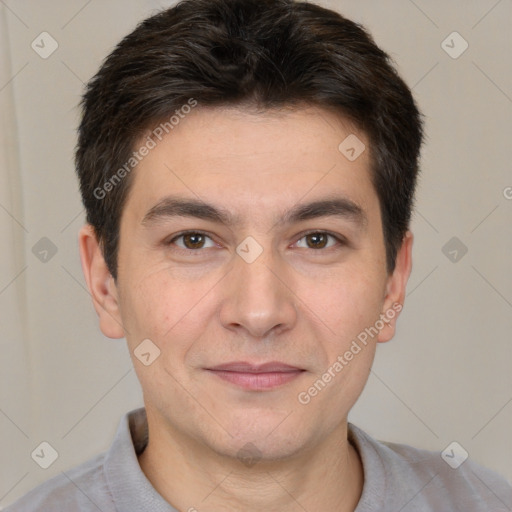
(83,488)
(422,480)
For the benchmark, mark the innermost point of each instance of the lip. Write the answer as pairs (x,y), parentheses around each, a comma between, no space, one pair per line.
(256,377)
(244,367)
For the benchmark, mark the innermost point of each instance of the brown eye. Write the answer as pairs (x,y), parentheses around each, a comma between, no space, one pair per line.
(191,240)
(319,240)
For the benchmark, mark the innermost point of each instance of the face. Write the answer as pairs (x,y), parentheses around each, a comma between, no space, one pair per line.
(252,256)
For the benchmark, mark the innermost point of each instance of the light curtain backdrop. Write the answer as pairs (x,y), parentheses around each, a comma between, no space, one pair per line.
(446,375)
(15,375)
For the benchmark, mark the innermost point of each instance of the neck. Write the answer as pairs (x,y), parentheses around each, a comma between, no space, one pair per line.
(193,477)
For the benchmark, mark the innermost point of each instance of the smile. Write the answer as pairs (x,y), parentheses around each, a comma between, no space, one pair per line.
(257,381)
(256,378)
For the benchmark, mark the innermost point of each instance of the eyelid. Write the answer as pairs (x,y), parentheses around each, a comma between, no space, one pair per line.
(170,241)
(339,238)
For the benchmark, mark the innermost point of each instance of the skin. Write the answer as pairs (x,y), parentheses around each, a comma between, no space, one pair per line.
(302,302)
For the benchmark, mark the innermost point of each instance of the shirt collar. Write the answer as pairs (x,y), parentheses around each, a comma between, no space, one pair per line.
(372,496)
(130,488)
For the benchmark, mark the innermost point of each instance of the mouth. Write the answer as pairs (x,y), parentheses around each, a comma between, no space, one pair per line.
(253,377)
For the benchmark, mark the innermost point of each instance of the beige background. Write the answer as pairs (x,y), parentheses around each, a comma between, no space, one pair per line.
(446,376)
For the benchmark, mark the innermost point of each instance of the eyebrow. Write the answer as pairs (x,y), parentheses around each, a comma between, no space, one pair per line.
(173,206)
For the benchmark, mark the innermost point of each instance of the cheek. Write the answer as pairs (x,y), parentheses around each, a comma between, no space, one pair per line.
(349,304)
(347,301)
(157,306)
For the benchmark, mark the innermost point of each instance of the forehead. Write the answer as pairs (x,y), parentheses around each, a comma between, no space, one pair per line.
(239,158)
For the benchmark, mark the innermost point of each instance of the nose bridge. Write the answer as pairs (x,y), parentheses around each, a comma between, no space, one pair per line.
(258,299)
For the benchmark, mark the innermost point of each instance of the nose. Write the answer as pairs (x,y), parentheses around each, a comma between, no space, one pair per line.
(258,297)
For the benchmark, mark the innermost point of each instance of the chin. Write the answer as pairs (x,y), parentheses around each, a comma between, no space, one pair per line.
(261,436)
(249,451)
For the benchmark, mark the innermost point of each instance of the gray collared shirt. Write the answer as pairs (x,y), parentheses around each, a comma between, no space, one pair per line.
(396,478)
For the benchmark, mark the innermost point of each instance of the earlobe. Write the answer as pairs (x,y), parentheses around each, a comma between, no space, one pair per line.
(395,288)
(101,284)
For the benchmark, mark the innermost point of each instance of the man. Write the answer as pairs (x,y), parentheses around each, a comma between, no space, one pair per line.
(248,169)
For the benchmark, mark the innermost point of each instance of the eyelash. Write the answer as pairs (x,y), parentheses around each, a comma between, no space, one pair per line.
(341,240)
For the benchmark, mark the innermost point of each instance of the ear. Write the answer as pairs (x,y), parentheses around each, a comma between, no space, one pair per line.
(395,289)
(101,284)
